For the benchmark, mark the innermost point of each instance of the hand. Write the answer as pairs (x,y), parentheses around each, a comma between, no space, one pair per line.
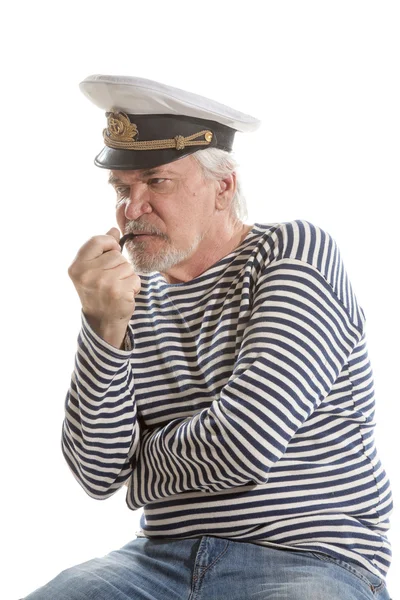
(107,285)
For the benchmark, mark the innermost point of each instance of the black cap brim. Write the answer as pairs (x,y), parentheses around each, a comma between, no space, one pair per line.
(128,160)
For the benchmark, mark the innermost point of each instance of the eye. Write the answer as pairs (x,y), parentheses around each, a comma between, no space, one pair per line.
(122,195)
(122,192)
(161,185)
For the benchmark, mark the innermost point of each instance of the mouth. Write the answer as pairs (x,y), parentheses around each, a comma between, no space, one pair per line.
(131,236)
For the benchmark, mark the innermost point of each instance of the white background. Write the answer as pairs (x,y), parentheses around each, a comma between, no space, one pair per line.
(323,77)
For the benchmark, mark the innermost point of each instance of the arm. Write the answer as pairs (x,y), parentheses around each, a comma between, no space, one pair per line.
(299,336)
(100,430)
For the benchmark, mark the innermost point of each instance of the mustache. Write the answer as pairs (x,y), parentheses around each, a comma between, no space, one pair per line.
(135,227)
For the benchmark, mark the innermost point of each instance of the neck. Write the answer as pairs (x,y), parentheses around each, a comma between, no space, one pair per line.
(210,251)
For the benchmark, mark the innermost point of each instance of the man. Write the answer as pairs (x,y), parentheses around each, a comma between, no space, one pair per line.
(221,373)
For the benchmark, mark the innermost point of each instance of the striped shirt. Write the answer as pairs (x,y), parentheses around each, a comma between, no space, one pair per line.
(245,406)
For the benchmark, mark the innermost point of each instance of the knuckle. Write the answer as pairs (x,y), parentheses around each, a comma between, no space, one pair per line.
(74,270)
(116,254)
(102,284)
(71,271)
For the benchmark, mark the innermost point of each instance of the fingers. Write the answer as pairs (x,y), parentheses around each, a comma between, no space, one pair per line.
(109,260)
(123,272)
(98,245)
(107,289)
(114,232)
(133,282)
(110,264)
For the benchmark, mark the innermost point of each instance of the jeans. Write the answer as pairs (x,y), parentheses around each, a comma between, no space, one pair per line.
(209,568)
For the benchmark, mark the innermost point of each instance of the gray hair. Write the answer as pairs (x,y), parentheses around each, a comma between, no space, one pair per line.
(217,164)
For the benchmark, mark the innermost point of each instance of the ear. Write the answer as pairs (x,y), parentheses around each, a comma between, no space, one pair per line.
(226,189)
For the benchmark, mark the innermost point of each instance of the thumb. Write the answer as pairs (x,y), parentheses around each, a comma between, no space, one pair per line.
(114,232)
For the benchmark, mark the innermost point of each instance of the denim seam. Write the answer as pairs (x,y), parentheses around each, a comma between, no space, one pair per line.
(217,558)
(202,571)
(350,569)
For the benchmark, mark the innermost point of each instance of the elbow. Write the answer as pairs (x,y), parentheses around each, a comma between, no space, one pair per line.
(97,485)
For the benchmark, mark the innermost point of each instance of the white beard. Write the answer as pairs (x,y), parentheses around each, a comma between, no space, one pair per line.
(147,260)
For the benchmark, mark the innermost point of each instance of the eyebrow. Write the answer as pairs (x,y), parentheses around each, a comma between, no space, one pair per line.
(114,180)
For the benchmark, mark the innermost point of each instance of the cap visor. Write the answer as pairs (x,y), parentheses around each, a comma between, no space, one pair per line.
(130,160)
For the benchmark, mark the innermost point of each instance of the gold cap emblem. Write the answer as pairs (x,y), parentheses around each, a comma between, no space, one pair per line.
(119,128)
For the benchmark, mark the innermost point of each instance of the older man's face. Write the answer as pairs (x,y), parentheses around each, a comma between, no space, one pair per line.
(171,210)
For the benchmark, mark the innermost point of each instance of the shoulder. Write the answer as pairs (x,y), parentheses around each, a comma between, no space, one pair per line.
(298,240)
(302,247)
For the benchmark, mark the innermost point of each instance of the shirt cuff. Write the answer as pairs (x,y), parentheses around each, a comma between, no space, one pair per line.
(97,341)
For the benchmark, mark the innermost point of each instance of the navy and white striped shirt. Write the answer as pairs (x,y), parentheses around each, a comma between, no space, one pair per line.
(245,408)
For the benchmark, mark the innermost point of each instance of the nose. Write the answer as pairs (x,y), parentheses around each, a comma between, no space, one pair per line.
(138,202)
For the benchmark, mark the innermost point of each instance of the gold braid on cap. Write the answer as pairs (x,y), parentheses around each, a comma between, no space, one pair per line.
(120,134)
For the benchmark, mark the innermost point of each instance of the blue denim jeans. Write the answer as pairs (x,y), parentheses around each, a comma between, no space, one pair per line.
(209,568)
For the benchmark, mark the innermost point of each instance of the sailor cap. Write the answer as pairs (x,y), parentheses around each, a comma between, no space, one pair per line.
(151,124)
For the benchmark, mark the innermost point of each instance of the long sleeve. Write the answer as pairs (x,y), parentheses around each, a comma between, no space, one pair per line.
(297,339)
(100,429)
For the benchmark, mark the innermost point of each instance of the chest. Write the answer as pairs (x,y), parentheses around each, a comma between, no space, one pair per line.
(186,346)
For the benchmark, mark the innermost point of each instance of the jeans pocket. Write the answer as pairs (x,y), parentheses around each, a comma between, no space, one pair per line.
(374,583)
